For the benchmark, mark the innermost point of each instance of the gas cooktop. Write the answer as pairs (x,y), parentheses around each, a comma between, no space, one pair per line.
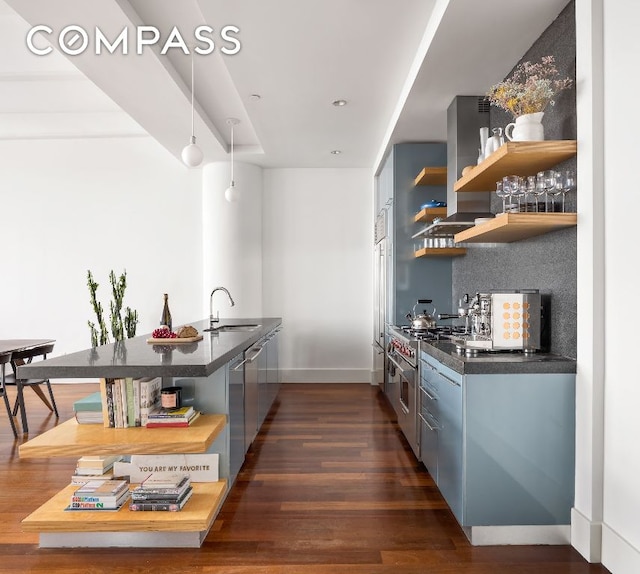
(441,332)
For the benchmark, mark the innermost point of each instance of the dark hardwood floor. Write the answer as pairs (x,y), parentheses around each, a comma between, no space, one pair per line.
(328,487)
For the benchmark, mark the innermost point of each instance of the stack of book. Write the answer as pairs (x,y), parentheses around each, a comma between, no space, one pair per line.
(88,410)
(180,417)
(164,493)
(91,468)
(128,402)
(100,495)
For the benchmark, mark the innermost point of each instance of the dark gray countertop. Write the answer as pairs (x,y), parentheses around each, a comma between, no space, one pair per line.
(137,358)
(497,363)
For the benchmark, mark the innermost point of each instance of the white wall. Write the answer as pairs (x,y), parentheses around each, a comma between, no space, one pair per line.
(317,266)
(98,204)
(232,240)
(621,528)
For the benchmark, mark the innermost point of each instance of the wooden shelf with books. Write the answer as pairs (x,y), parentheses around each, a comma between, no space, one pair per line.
(73,439)
(196,516)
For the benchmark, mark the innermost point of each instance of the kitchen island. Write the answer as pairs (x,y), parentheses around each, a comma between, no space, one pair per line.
(202,370)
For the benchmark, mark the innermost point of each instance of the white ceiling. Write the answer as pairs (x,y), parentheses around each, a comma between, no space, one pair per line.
(398,63)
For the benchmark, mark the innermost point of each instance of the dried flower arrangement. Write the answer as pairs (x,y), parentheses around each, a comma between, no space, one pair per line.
(530,88)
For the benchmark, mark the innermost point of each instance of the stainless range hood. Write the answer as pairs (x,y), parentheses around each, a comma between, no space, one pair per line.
(465,116)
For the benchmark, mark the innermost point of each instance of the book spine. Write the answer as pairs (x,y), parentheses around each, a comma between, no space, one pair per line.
(171,506)
(97,499)
(123,402)
(110,404)
(171,424)
(136,402)
(103,397)
(131,414)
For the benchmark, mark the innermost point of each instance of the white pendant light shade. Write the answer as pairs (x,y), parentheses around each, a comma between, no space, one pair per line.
(232,194)
(191,154)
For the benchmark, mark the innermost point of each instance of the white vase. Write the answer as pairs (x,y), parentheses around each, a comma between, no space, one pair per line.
(527,127)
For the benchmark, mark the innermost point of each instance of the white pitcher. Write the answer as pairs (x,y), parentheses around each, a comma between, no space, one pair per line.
(527,127)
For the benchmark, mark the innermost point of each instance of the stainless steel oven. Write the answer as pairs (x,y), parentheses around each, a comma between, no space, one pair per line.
(403,377)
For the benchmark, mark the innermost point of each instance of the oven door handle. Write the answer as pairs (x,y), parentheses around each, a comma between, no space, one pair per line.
(398,366)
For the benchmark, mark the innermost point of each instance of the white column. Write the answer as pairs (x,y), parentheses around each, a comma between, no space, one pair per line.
(232,239)
(587,513)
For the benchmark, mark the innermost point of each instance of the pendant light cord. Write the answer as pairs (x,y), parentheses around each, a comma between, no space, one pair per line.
(232,154)
(193,135)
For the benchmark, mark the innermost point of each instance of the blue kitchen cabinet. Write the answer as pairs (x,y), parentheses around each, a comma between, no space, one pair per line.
(505,452)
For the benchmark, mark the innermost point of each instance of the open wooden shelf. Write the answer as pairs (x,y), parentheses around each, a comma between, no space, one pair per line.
(428,214)
(440,252)
(516,158)
(73,439)
(508,227)
(196,516)
(432,176)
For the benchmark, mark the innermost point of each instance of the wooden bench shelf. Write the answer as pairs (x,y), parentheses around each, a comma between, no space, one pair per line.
(196,516)
(72,439)
(516,158)
(432,176)
(508,227)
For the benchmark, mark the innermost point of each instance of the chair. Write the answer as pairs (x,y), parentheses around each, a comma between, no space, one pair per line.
(4,359)
(24,358)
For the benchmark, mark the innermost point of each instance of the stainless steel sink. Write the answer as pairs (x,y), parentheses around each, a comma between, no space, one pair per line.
(245,327)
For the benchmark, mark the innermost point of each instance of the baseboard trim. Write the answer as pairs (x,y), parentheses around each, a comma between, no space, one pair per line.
(325,375)
(618,555)
(553,534)
(586,536)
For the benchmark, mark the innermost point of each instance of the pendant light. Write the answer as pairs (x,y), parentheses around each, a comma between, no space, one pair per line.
(232,194)
(191,154)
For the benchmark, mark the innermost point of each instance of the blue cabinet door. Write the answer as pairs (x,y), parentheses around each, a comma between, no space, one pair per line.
(450,463)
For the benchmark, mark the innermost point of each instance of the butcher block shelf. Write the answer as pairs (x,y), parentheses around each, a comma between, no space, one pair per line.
(428,214)
(432,176)
(73,439)
(509,227)
(196,516)
(516,158)
(440,252)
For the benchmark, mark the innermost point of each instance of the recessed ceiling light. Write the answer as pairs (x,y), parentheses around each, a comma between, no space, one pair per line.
(339,103)
(336,151)
(255,97)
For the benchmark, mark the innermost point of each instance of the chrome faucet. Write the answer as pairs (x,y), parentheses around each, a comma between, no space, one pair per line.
(216,319)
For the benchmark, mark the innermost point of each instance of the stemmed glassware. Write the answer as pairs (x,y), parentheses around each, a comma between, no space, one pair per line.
(512,184)
(548,179)
(567,183)
(549,182)
(502,194)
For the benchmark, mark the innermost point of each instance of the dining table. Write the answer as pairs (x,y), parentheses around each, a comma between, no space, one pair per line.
(19,345)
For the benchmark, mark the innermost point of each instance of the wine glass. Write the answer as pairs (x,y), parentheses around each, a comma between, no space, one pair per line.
(568,184)
(556,190)
(539,190)
(513,185)
(531,188)
(502,194)
(548,178)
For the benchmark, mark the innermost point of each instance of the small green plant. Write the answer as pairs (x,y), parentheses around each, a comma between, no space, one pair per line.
(99,333)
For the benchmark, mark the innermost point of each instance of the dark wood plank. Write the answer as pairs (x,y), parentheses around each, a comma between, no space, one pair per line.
(329,486)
